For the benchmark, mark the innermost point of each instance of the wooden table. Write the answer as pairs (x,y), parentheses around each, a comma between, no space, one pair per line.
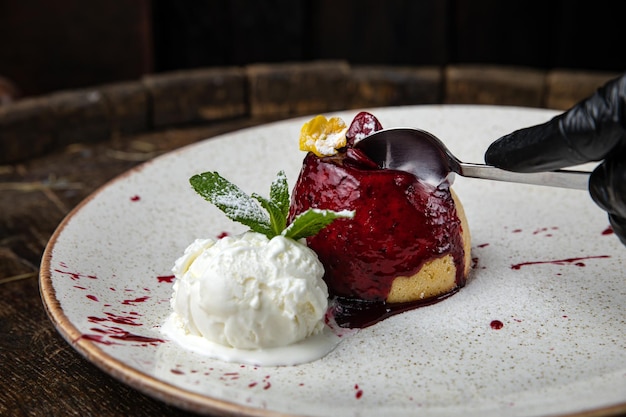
(40,373)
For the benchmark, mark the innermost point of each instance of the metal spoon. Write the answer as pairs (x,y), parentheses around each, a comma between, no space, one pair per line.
(424,155)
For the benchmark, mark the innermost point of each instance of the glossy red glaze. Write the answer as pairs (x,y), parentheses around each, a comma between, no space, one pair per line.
(400,223)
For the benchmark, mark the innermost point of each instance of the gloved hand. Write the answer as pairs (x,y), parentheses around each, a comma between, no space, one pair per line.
(592,130)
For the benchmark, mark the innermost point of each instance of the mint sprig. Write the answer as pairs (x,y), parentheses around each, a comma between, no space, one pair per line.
(311,221)
(278,205)
(229,198)
(262,215)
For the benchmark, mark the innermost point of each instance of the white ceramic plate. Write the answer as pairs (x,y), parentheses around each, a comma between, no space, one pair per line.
(542,267)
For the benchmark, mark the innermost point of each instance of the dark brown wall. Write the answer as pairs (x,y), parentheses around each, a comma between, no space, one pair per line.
(52,45)
(49,45)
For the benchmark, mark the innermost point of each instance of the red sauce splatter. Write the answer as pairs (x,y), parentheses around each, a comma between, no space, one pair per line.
(496,324)
(266,383)
(166,278)
(114,318)
(73,275)
(136,300)
(359,392)
(483,245)
(223,235)
(177,371)
(608,231)
(136,338)
(104,336)
(517,230)
(135,198)
(575,261)
(476,263)
(98,339)
(92,297)
(545,229)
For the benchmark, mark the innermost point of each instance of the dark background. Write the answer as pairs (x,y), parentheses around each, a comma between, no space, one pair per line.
(51,45)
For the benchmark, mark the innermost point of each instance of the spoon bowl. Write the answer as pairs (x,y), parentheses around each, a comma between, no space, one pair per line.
(427,157)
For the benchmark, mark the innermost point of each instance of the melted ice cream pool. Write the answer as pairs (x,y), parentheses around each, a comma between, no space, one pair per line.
(307,350)
(252,300)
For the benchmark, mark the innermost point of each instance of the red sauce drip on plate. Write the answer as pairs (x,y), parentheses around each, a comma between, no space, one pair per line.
(575,261)
(166,278)
(496,324)
(119,335)
(136,300)
(126,336)
(358,314)
(358,392)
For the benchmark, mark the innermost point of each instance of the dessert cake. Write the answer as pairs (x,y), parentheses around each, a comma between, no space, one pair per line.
(408,243)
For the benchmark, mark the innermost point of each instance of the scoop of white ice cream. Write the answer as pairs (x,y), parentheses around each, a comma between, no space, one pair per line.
(250,292)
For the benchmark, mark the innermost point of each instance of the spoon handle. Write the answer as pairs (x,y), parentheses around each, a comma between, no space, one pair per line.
(578,180)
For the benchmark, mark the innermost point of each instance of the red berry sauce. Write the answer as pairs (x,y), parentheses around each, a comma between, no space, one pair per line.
(496,324)
(400,224)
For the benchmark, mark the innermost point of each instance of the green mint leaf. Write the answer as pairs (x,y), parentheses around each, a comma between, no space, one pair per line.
(312,221)
(236,204)
(278,219)
(279,194)
(262,215)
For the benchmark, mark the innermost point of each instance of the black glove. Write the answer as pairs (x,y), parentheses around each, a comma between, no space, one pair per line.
(592,130)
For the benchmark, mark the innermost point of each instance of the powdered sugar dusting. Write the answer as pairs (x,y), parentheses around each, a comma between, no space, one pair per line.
(342,213)
(234,206)
(370,126)
(327,144)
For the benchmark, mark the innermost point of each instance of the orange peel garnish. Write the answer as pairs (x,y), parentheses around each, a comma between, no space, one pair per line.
(323,136)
